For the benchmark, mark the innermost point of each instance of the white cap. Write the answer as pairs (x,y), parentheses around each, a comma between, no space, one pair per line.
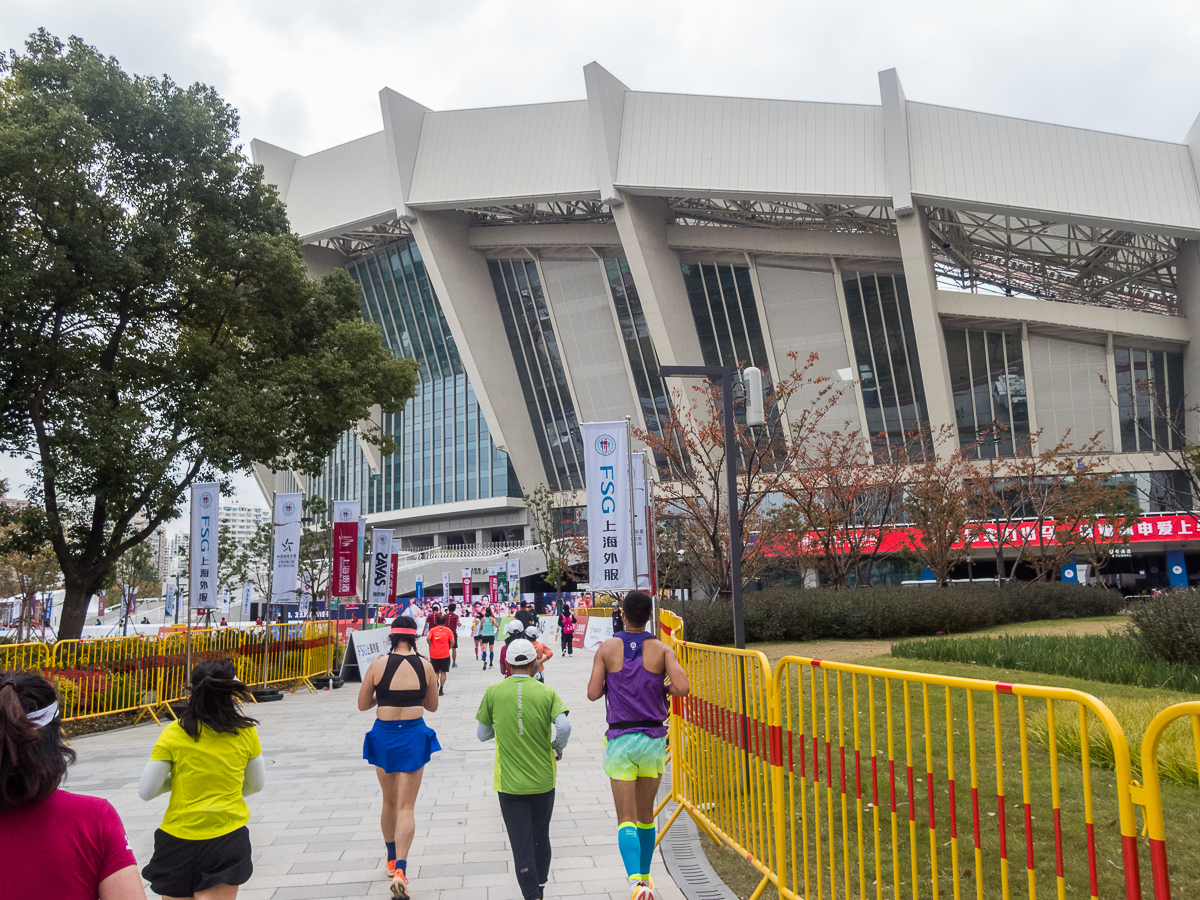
(531,632)
(514,627)
(520,653)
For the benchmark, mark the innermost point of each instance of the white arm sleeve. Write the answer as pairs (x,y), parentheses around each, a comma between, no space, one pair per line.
(562,732)
(156,779)
(484,732)
(256,776)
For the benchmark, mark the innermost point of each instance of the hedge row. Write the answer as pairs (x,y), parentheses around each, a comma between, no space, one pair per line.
(781,614)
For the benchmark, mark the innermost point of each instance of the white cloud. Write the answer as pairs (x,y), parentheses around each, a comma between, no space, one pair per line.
(306,75)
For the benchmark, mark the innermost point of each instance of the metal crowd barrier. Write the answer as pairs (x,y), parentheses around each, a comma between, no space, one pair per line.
(33,656)
(1150,795)
(835,780)
(102,676)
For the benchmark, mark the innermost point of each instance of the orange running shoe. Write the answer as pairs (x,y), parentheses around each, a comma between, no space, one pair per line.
(391,868)
(399,886)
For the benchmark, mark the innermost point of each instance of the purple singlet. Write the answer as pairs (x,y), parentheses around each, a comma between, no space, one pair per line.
(636,700)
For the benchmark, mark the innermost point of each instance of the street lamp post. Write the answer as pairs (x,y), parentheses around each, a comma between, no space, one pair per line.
(727,375)
(679,568)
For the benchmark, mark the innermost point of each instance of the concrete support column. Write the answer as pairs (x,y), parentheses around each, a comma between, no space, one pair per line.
(460,278)
(479,536)
(1188,282)
(642,224)
(917,254)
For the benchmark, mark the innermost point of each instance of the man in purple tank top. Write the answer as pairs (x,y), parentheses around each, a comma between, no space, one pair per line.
(635,673)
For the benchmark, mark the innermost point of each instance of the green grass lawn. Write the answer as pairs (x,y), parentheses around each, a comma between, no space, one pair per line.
(1181,803)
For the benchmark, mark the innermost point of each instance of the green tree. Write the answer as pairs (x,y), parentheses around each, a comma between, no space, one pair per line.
(566,554)
(157,325)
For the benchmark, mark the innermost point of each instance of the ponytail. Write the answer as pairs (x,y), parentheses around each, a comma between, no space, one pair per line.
(214,701)
(33,755)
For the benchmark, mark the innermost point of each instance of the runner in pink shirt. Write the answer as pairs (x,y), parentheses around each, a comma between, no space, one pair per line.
(56,844)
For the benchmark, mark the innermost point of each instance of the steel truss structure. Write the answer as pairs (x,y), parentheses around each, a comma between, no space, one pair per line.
(364,241)
(551,212)
(845,218)
(1055,261)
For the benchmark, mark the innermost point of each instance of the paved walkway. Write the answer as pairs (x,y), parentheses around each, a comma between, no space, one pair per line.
(315,828)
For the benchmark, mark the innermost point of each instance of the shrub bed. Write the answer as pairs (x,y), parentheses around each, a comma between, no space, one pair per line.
(1169,626)
(1115,658)
(781,614)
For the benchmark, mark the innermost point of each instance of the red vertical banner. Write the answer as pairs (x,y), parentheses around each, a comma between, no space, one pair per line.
(466,588)
(344,576)
(493,586)
(395,572)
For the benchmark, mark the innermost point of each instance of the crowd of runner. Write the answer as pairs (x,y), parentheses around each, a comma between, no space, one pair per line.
(210,760)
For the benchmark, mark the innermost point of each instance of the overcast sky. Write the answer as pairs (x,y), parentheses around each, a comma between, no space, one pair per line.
(306,75)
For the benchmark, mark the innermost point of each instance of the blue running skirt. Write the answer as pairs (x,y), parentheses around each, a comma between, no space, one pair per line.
(404,745)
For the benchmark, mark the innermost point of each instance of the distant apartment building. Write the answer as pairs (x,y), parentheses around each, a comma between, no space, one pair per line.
(243,520)
(177,549)
(14,502)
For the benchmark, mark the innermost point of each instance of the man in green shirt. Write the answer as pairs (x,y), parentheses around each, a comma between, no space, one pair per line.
(519,712)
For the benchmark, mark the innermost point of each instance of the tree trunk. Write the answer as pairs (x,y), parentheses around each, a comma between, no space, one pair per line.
(74,612)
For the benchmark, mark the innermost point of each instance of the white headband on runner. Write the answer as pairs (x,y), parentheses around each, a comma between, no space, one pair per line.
(44,716)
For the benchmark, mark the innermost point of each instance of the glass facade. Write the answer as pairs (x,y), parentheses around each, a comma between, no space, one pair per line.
(445,453)
(1149,398)
(726,316)
(653,397)
(987,375)
(885,352)
(540,369)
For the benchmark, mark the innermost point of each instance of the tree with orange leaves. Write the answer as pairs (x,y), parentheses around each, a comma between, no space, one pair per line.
(691,455)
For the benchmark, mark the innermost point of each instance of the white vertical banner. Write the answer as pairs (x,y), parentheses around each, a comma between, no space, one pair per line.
(446,598)
(640,521)
(610,543)
(514,580)
(246,600)
(381,567)
(202,545)
(170,595)
(225,602)
(285,552)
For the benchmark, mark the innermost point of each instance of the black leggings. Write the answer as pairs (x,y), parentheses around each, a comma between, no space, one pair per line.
(568,644)
(527,818)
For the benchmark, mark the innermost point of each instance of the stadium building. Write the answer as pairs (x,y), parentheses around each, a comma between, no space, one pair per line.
(542,262)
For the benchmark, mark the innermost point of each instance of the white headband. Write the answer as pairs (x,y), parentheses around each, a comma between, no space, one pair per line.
(44,716)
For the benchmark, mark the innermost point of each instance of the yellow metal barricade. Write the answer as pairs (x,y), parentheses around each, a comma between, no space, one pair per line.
(33,657)
(726,753)
(97,677)
(877,806)
(1151,794)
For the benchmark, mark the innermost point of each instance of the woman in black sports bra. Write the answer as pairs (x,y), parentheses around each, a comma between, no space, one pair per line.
(402,685)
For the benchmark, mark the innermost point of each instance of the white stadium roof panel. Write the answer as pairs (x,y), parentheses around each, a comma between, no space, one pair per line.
(708,146)
(480,156)
(1053,171)
(340,187)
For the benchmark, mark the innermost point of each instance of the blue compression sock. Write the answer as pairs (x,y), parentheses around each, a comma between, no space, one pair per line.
(646,838)
(402,865)
(391,850)
(631,850)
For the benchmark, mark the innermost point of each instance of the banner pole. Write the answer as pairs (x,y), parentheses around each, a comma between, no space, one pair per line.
(191,576)
(632,507)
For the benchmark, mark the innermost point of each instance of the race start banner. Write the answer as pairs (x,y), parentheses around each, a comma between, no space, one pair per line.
(285,559)
(466,586)
(345,548)
(611,564)
(202,545)
(381,566)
